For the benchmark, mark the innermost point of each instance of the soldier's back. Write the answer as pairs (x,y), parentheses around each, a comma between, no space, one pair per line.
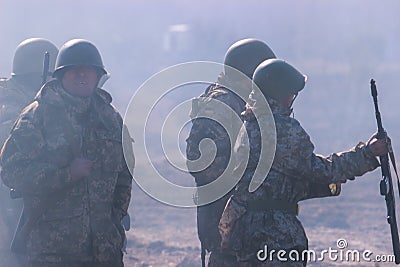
(13,98)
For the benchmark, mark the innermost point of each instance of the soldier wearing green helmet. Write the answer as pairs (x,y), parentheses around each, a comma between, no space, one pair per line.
(245,55)
(28,62)
(278,79)
(78,52)
(17,92)
(26,79)
(241,59)
(254,224)
(65,156)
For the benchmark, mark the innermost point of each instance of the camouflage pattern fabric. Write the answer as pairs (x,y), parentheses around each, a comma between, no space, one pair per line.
(296,174)
(49,134)
(208,216)
(13,98)
(207,128)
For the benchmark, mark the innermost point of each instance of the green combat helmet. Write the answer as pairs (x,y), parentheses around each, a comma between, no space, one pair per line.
(278,79)
(29,60)
(78,52)
(29,55)
(245,55)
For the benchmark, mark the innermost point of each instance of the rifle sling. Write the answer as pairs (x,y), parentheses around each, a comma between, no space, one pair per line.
(393,160)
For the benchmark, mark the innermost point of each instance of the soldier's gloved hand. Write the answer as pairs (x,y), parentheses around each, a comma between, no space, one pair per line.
(80,168)
(377,147)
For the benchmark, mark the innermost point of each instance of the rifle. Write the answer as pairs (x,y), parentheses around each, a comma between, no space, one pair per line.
(386,184)
(46,66)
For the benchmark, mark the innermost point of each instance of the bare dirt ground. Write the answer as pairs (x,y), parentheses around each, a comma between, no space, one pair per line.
(162,235)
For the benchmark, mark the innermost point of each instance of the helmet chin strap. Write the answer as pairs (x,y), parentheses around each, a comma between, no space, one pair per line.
(103,80)
(291,104)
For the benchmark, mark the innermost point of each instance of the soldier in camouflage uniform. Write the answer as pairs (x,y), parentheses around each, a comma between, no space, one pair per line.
(65,156)
(244,55)
(267,216)
(16,93)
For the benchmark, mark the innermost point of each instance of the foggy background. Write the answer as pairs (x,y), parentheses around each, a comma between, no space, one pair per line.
(339,45)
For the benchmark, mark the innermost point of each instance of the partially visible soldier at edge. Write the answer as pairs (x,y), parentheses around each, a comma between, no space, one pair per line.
(244,55)
(268,216)
(65,156)
(17,92)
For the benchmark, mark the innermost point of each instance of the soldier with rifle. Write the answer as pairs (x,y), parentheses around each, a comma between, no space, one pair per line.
(267,217)
(30,70)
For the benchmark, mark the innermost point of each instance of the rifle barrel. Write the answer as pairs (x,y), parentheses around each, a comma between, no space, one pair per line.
(386,184)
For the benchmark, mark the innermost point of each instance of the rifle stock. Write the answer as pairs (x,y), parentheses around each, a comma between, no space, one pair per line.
(386,184)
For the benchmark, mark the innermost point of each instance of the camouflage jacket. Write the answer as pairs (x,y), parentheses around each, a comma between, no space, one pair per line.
(13,98)
(297,174)
(35,160)
(220,104)
(211,105)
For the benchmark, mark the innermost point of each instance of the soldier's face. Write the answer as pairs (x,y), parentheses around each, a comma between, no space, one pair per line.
(80,80)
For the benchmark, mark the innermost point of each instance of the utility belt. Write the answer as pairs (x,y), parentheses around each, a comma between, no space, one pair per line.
(273,204)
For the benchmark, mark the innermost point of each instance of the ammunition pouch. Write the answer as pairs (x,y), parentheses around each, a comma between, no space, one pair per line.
(232,213)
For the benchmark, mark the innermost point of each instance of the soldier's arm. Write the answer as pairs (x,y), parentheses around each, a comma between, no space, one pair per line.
(122,192)
(335,168)
(215,123)
(23,160)
(206,128)
(221,109)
